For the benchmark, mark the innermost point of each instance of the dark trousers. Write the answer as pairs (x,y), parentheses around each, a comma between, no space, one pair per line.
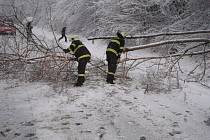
(112,67)
(29,35)
(63,36)
(81,70)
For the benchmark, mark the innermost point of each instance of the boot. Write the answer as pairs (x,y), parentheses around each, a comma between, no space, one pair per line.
(78,84)
(110,82)
(110,79)
(80,81)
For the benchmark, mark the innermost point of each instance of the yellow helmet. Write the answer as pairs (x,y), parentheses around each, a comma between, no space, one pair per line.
(73,37)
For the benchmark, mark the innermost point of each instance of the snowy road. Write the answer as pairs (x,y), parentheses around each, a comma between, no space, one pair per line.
(99,111)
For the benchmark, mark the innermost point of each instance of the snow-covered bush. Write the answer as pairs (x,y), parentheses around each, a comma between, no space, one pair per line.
(154,82)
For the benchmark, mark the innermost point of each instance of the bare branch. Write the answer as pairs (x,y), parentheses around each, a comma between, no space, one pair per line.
(204,63)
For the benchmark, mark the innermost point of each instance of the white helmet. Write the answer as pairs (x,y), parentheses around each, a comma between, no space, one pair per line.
(121,34)
(73,37)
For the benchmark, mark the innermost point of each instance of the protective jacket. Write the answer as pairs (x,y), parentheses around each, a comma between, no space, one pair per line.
(79,50)
(116,46)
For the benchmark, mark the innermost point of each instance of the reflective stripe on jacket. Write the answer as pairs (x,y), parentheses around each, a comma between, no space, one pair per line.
(79,50)
(116,46)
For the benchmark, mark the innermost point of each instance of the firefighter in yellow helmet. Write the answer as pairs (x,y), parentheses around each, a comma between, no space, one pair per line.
(113,53)
(78,49)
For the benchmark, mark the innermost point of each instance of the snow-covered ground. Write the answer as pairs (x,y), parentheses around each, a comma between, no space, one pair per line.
(99,111)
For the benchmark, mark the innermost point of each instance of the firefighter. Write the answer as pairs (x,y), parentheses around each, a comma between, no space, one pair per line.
(113,53)
(29,28)
(63,34)
(78,49)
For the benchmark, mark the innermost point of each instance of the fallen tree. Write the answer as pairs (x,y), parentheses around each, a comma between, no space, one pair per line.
(155,35)
(151,45)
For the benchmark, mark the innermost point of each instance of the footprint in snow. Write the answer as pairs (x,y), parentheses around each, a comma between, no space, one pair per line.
(176,113)
(5,132)
(78,124)
(87,116)
(175,124)
(207,122)
(85,131)
(29,135)
(165,106)
(65,128)
(126,102)
(65,117)
(64,123)
(27,123)
(17,134)
(132,122)
(142,138)
(101,132)
(187,111)
(112,93)
(174,132)
(8,130)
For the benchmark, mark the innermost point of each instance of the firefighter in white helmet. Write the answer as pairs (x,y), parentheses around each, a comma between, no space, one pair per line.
(82,54)
(113,53)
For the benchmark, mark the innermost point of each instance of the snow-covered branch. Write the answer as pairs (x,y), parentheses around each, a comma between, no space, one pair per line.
(155,35)
(168,56)
(167,42)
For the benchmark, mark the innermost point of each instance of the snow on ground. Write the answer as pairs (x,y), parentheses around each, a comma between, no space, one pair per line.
(98,111)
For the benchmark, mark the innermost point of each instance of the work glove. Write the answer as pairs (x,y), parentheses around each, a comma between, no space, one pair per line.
(118,56)
(125,50)
(118,60)
(75,59)
(66,50)
(72,59)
